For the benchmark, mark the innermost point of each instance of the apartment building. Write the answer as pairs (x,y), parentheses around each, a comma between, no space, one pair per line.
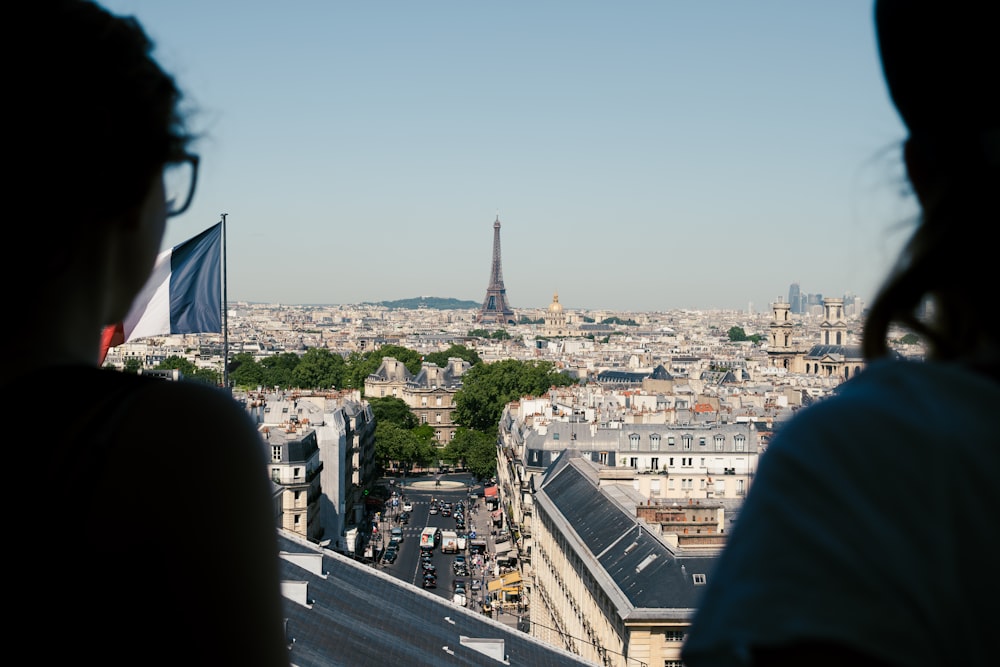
(430,394)
(606,585)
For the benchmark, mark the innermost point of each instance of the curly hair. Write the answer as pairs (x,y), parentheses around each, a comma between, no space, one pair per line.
(96,116)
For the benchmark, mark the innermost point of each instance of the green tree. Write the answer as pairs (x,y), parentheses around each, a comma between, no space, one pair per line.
(319,368)
(189,370)
(278,369)
(244,371)
(456,351)
(473,450)
(486,388)
(910,339)
(737,334)
(402,446)
(132,365)
(394,411)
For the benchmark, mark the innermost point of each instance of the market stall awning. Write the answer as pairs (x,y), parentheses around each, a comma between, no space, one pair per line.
(490,491)
(508,582)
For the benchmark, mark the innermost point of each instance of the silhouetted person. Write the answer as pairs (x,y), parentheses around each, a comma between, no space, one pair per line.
(868,536)
(142,528)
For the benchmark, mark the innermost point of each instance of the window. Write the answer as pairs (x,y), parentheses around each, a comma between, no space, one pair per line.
(670,483)
(701,441)
(633,442)
(686,440)
(654,487)
(423,401)
(275,453)
(670,441)
(276,475)
(698,579)
(702,480)
(633,462)
(423,418)
(674,636)
(654,463)
(687,461)
(720,443)
(741,443)
(555,436)
(671,461)
(602,457)
(438,400)
(437,417)
(654,443)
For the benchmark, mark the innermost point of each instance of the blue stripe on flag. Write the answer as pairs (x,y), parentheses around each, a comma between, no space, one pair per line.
(196,283)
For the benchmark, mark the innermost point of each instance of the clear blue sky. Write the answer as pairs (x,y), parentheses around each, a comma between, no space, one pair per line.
(642,155)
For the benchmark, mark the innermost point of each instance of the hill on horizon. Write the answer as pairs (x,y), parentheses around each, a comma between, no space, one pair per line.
(432,302)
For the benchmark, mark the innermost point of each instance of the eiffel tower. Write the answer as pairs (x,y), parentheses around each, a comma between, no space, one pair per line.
(495,308)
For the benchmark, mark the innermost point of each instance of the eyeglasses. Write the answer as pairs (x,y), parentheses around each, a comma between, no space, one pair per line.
(179,179)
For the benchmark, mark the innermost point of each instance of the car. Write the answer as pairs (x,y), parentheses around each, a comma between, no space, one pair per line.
(407,506)
(396,533)
(476,585)
(404,518)
(429,567)
(430,583)
(390,556)
(394,543)
(460,558)
(433,509)
(445,511)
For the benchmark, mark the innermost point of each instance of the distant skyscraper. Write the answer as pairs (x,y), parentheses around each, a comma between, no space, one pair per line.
(795,299)
(495,308)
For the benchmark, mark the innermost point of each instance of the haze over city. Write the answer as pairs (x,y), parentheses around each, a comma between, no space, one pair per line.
(640,156)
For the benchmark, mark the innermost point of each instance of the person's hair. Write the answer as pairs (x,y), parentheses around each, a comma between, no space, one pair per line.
(96,116)
(941,69)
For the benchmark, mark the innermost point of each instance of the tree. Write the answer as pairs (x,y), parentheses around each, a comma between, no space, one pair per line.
(487,388)
(132,365)
(244,371)
(737,334)
(189,370)
(473,450)
(394,411)
(456,351)
(278,369)
(394,444)
(319,368)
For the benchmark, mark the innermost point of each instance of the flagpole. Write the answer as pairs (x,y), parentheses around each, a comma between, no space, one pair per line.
(225,313)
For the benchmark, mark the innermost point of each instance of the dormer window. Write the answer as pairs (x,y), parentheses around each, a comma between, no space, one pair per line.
(654,442)
(633,442)
(687,441)
(720,443)
(741,443)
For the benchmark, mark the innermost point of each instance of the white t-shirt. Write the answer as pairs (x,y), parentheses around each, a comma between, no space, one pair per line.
(873,522)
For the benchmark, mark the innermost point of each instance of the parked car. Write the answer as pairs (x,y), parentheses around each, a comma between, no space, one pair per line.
(396,532)
(390,555)
(407,506)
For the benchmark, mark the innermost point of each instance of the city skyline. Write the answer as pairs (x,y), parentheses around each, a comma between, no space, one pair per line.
(640,157)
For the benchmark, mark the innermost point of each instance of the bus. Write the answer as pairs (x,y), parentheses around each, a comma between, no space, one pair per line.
(429,538)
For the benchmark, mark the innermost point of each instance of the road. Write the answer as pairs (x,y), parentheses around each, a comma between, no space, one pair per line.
(420,492)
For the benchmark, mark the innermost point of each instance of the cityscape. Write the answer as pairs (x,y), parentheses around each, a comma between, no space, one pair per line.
(651,443)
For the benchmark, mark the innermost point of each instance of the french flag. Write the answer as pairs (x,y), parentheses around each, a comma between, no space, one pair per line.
(182,295)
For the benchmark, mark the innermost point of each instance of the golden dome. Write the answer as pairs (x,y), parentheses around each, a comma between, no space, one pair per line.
(555,306)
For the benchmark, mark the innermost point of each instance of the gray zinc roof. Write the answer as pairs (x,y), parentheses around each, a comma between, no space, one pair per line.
(634,566)
(351,614)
